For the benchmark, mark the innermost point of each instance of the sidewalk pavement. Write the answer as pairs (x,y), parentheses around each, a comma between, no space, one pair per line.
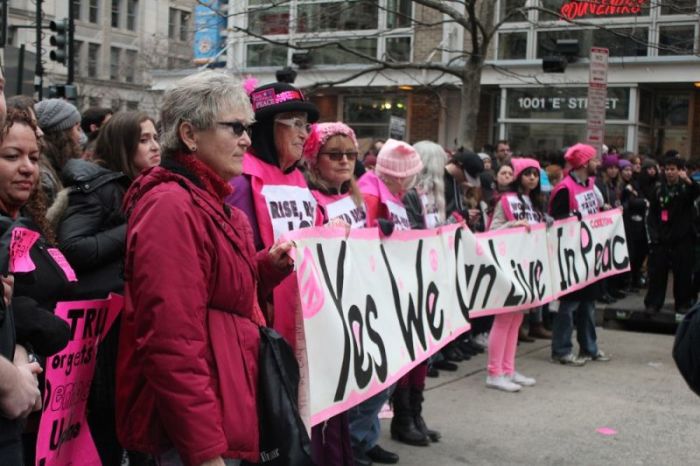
(638,396)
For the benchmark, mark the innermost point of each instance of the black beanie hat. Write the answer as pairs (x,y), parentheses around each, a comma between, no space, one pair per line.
(271,99)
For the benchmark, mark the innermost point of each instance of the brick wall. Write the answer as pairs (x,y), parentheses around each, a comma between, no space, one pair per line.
(423,116)
(327,107)
(426,39)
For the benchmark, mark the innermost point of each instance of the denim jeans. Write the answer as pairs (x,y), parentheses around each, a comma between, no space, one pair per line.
(563,327)
(364,421)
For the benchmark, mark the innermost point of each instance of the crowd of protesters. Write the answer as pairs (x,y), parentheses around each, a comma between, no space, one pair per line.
(125,203)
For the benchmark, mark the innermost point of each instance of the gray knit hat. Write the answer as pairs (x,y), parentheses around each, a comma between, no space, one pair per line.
(56,115)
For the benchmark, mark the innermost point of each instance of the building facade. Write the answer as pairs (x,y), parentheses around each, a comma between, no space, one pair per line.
(654,68)
(118,43)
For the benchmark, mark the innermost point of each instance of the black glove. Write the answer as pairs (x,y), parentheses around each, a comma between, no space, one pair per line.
(578,215)
(385,226)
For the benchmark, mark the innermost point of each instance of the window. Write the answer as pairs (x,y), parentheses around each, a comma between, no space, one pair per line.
(179,24)
(78,57)
(114,53)
(78,15)
(269,20)
(94,101)
(509,11)
(93,60)
(577,10)
(130,68)
(369,115)
(173,18)
(332,55)
(628,42)
(116,105)
(398,13)
(93,11)
(132,105)
(116,7)
(568,103)
(512,45)
(398,49)
(184,25)
(545,139)
(266,55)
(132,7)
(676,40)
(678,7)
(337,16)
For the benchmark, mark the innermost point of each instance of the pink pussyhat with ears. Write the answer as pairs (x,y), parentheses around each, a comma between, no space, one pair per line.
(521,164)
(579,155)
(320,134)
(398,159)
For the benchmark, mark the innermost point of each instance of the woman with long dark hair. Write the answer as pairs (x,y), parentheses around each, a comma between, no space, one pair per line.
(92,234)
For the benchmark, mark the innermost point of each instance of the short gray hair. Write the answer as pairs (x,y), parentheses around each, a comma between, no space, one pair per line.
(199,99)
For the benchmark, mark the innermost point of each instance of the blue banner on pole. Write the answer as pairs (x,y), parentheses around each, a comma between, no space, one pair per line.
(208,23)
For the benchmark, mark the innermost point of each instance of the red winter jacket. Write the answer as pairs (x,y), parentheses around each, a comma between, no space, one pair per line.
(188,353)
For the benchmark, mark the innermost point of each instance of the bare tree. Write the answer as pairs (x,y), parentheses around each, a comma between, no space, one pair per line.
(476,18)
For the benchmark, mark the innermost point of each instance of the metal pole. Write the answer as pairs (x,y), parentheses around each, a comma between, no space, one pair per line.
(39,73)
(71,29)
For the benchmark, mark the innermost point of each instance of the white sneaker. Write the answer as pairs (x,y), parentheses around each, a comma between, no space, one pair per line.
(520,379)
(482,340)
(500,382)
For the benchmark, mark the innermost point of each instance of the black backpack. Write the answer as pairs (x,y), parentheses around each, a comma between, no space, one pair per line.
(686,348)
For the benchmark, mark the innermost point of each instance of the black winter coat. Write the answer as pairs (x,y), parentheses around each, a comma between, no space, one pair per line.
(92,231)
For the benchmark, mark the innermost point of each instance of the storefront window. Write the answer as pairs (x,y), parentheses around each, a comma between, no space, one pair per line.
(369,115)
(622,42)
(546,139)
(676,40)
(568,103)
(671,110)
(512,46)
(577,9)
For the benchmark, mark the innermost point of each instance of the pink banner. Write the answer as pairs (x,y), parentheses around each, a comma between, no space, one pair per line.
(64,437)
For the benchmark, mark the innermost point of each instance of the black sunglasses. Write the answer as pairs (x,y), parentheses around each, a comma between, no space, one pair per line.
(237,127)
(338,156)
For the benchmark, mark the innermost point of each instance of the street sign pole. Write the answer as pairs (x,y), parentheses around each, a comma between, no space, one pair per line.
(597,97)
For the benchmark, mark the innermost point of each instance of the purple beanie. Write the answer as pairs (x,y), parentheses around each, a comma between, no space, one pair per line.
(610,161)
(624,163)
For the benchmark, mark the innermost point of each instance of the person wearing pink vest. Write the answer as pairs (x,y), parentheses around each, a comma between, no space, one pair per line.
(519,207)
(330,153)
(395,173)
(271,191)
(575,195)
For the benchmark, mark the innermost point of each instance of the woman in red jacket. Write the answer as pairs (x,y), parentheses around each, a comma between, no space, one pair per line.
(187,372)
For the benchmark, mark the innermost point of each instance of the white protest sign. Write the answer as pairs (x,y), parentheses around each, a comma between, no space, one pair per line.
(374,308)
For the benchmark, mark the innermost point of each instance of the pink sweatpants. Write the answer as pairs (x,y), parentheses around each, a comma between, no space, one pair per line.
(503,343)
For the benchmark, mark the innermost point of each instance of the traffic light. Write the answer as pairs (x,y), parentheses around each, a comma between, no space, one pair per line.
(59,40)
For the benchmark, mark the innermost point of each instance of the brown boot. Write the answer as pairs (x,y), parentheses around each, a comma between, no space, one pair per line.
(538,331)
(522,336)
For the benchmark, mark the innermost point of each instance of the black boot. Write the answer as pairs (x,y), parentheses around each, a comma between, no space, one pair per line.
(417,405)
(403,426)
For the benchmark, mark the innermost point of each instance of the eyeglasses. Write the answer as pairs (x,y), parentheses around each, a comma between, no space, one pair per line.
(237,127)
(337,156)
(296,123)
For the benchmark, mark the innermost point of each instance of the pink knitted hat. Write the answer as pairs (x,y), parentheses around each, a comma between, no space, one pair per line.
(579,154)
(398,159)
(521,163)
(320,134)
